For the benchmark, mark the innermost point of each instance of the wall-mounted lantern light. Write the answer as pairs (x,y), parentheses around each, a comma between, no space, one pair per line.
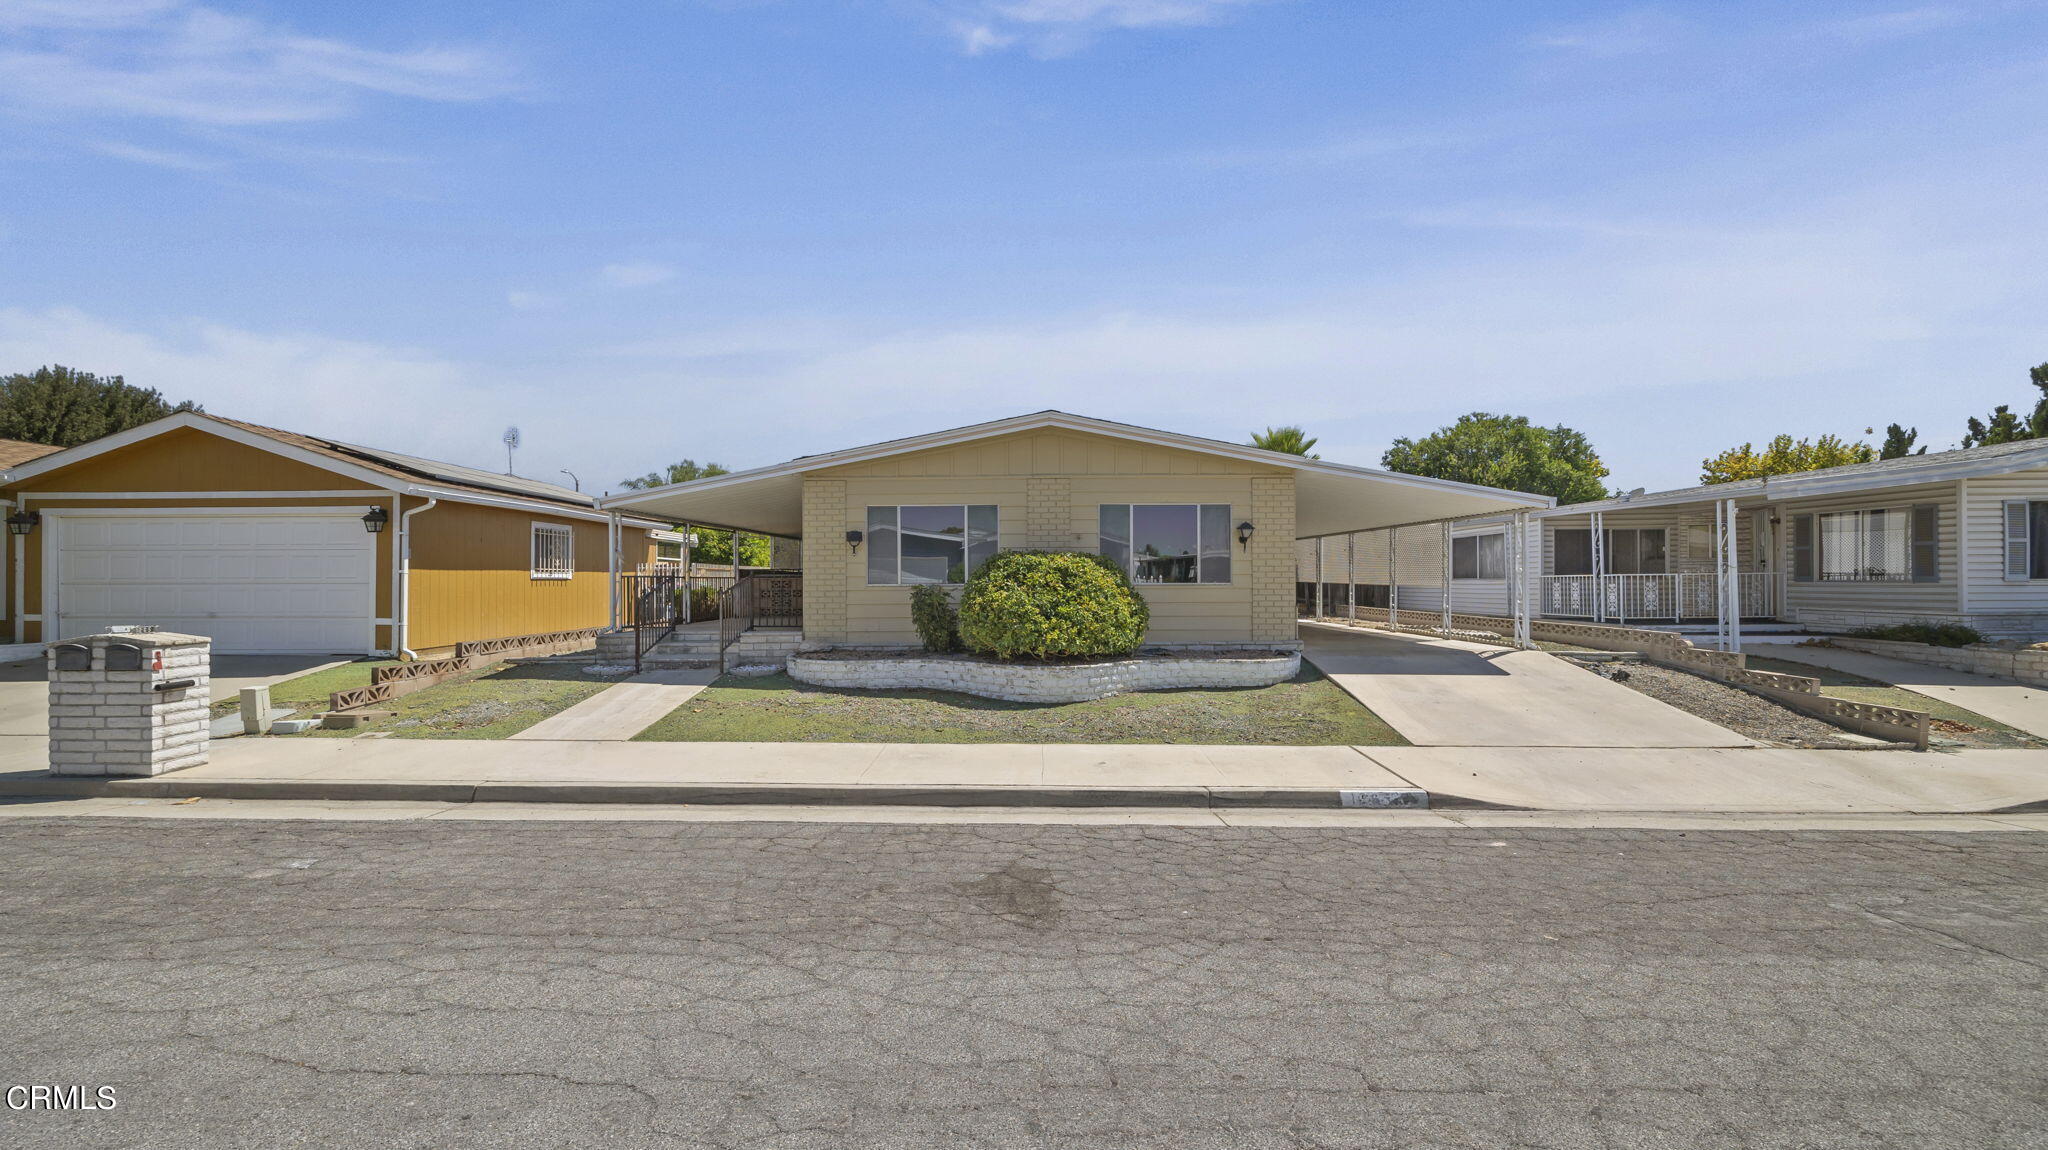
(1244,534)
(853,539)
(374,521)
(23,522)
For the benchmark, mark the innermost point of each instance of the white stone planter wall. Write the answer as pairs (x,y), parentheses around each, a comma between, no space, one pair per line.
(1032,683)
(2027,665)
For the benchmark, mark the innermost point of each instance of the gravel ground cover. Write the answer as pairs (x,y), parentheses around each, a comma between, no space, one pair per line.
(1731,707)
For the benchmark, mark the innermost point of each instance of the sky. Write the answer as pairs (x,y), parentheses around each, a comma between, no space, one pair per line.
(745,230)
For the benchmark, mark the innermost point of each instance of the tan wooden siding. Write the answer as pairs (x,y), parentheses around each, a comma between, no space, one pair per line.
(472,576)
(187,459)
(1047,488)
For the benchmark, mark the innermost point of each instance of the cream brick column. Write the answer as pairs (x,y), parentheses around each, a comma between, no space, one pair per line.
(129,704)
(1049,514)
(1271,560)
(828,561)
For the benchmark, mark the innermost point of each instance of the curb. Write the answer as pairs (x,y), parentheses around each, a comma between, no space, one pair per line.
(726,794)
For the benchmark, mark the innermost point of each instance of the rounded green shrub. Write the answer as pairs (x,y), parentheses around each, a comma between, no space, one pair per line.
(931,612)
(1051,605)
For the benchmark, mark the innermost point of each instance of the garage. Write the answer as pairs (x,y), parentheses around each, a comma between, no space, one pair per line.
(262,580)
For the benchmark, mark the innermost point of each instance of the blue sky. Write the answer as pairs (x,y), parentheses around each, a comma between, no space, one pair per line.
(751,229)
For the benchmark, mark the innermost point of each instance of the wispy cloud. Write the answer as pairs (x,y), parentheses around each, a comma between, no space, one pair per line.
(635,275)
(175,61)
(154,157)
(1899,25)
(1629,33)
(1059,27)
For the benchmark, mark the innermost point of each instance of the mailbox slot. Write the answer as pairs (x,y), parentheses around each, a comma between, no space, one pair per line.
(124,657)
(73,657)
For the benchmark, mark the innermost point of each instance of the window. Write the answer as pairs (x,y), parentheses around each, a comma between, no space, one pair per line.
(2026,539)
(666,551)
(1879,545)
(1480,556)
(554,551)
(1630,551)
(938,544)
(1168,542)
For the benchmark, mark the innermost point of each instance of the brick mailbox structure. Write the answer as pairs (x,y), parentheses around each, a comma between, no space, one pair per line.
(129,704)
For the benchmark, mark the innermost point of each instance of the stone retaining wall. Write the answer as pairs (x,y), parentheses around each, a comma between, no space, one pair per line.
(1032,683)
(2027,665)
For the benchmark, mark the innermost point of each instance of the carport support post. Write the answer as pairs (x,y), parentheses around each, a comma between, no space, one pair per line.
(1318,604)
(1393,576)
(1447,579)
(1351,577)
(611,538)
(1598,537)
(1520,587)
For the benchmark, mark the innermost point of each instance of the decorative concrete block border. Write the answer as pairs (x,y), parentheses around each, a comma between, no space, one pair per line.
(1043,683)
(2027,665)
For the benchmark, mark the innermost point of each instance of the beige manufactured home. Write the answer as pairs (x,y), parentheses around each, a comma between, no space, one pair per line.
(1206,529)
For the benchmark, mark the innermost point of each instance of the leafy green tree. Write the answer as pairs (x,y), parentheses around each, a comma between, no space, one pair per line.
(1288,439)
(2005,425)
(65,407)
(1782,456)
(715,547)
(682,472)
(1505,451)
(1898,442)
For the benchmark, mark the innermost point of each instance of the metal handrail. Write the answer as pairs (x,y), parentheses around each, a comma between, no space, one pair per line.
(652,602)
(761,599)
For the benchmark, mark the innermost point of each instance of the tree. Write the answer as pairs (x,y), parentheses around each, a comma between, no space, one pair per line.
(1782,456)
(715,548)
(1285,439)
(2005,426)
(65,407)
(1898,442)
(675,473)
(1505,451)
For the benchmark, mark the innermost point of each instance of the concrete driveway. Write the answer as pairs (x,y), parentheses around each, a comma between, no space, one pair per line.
(2007,700)
(1450,694)
(25,698)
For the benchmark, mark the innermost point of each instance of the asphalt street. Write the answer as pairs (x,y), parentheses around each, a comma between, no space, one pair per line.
(806,985)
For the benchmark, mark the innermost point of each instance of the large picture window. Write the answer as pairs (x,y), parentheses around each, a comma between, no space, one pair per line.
(1168,542)
(1630,551)
(929,544)
(1878,545)
(1480,556)
(554,551)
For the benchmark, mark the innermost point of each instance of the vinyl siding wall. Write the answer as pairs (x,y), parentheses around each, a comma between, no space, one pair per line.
(1047,487)
(1994,606)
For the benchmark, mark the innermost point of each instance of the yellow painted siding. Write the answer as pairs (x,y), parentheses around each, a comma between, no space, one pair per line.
(187,459)
(1047,487)
(472,576)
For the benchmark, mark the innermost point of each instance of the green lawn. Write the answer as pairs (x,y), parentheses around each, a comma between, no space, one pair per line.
(307,694)
(490,703)
(1981,731)
(1307,711)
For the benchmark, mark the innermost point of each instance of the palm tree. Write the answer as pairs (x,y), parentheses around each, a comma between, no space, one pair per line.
(1287,439)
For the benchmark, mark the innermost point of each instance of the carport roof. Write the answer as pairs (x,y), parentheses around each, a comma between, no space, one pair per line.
(1330,498)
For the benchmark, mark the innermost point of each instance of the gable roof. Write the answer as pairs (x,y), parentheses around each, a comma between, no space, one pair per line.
(1935,467)
(383,470)
(18,451)
(1328,495)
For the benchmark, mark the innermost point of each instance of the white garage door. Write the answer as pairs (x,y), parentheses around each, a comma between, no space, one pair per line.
(300,583)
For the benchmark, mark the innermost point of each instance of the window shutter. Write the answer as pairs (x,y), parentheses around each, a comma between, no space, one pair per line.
(1802,548)
(2018,546)
(1926,543)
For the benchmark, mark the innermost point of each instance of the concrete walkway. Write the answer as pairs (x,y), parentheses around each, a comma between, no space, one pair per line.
(2007,700)
(623,709)
(1441,693)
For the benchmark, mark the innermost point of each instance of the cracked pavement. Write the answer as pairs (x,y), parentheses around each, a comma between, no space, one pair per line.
(810,985)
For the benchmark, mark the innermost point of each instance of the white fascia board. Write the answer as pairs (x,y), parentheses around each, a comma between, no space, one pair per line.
(1079,423)
(534,505)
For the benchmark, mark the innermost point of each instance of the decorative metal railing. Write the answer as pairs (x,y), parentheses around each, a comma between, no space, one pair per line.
(1675,596)
(768,599)
(651,603)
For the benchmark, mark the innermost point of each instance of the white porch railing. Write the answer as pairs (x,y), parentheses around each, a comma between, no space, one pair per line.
(1676,596)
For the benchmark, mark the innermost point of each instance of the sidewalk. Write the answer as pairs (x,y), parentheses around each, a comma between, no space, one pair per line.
(1754,780)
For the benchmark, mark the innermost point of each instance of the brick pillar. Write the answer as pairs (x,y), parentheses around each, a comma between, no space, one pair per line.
(1049,514)
(130,704)
(1271,559)
(830,567)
